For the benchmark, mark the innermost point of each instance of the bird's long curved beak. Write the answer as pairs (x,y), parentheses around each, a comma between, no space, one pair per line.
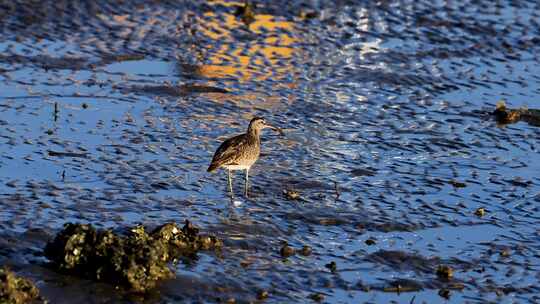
(275,129)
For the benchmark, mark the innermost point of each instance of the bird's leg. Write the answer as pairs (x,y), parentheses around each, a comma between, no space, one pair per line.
(229,177)
(247,182)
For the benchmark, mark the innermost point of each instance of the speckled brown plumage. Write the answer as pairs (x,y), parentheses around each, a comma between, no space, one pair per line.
(240,152)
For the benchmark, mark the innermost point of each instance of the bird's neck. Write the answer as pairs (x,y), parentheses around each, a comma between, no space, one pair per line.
(254,134)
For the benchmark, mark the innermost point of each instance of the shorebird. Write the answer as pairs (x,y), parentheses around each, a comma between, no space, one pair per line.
(241,152)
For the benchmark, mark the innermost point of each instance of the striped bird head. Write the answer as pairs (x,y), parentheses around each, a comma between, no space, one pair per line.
(259,123)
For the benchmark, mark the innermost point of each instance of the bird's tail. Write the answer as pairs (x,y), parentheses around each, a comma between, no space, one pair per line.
(213,167)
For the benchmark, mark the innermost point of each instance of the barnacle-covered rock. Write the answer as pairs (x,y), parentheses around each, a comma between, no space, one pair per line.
(17,290)
(137,260)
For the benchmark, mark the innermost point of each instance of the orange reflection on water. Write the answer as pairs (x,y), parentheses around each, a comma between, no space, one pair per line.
(267,55)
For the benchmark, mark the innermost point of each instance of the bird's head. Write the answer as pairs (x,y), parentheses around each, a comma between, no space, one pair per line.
(259,123)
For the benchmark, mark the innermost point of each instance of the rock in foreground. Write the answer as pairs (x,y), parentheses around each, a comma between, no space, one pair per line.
(16,290)
(137,260)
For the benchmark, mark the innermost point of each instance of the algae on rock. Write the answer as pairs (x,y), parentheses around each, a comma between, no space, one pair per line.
(138,260)
(16,290)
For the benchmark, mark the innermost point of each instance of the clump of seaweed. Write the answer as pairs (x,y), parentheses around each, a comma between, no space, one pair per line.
(17,290)
(504,115)
(137,260)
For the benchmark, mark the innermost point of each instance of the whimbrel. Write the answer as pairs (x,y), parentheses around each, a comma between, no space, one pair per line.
(240,152)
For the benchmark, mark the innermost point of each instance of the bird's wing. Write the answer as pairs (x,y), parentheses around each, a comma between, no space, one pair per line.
(228,151)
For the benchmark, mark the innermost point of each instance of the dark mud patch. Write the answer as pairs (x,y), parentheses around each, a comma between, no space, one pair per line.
(23,247)
(389,226)
(402,285)
(363,172)
(171,90)
(66,154)
(321,217)
(48,62)
(137,261)
(360,221)
(404,261)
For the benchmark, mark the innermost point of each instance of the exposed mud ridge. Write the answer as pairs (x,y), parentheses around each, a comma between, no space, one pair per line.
(137,261)
(172,90)
(17,290)
(401,285)
(399,260)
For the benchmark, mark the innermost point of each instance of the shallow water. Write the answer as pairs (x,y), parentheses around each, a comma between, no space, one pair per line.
(388,137)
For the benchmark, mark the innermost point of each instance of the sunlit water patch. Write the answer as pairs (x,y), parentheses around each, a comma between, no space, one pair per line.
(110,113)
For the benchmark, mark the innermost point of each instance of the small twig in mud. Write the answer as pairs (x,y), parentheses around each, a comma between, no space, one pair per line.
(336,189)
(67,154)
(55,111)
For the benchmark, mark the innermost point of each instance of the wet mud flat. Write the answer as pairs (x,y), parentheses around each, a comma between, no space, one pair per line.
(396,180)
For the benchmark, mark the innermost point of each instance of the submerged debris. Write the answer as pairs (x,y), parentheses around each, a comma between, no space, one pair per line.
(505,253)
(444,293)
(246,13)
(371,241)
(67,154)
(332,266)
(15,289)
(317,297)
(306,15)
(261,295)
(287,251)
(445,272)
(306,250)
(457,184)
(363,172)
(480,212)
(291,194)
(136,261)
(504,115)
